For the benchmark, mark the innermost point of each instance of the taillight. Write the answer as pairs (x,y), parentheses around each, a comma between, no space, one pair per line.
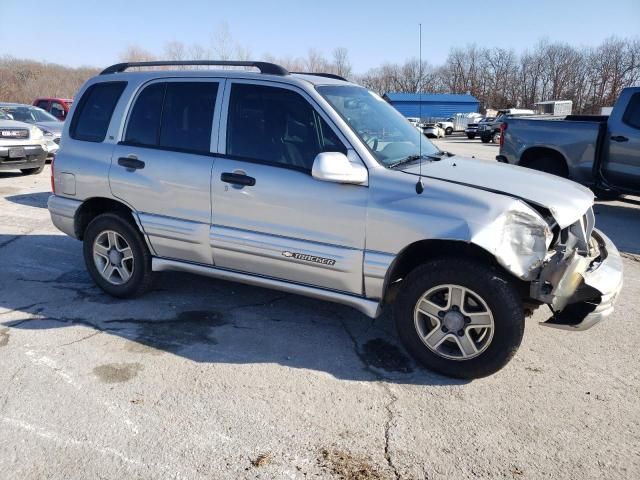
(503,129)
(53,181)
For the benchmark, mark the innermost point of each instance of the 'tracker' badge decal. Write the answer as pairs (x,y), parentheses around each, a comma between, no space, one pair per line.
(309,258)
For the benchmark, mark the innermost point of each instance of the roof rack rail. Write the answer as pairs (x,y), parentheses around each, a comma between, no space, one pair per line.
(264,67)
(321,74)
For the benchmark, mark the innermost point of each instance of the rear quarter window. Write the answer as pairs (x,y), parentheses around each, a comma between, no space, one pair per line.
(91,119)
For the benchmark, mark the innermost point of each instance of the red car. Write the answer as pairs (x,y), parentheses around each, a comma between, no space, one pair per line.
(58,107)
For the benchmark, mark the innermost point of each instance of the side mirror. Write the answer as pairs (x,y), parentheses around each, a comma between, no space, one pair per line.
(336,167)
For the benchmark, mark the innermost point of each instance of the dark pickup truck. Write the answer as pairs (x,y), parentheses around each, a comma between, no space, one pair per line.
(600,152)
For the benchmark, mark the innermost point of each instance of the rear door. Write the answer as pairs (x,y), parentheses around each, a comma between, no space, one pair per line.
(622,168)
(282,222)
(162,165)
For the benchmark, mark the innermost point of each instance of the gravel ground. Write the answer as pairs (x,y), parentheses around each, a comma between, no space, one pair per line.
(203,379)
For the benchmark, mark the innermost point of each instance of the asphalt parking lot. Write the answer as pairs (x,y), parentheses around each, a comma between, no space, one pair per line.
(204,379)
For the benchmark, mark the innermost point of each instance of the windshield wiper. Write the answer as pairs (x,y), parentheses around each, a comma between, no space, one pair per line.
(413,158)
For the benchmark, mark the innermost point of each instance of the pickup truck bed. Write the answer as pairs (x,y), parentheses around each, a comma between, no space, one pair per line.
(597,151)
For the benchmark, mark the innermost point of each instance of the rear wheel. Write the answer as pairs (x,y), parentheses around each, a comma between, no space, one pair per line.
(606,195)
(485,139)
(116,256)
(459,318)
(495,138)
(32,171)
(471,136)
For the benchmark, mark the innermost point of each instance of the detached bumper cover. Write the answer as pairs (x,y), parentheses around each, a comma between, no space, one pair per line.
(594,299)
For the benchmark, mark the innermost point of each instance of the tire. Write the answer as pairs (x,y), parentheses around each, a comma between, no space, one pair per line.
(495,138)
(32,171)
(552,165)
(470,136)
(98,238)
(448,131)
(494,346)
(485,139)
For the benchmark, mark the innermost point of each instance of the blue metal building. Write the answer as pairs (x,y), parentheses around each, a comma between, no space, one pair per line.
(434,105)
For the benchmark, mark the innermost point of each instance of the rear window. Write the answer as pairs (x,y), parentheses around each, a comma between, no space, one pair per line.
(91,119)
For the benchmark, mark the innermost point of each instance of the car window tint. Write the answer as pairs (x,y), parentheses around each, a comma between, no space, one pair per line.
(43,104)
(187,115)
(278,126)
(632,113)
(91,120)
(144,123)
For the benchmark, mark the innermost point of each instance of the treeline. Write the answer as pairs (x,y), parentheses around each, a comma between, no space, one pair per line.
(23,81)
(592,77)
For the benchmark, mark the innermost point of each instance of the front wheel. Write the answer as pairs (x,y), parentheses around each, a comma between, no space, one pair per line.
(116,256)
(495,138)
(448,131)
(470,136)
(459,318)
(485,139)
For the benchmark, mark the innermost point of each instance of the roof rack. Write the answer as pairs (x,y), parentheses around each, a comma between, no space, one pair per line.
(320,74)
(264,67)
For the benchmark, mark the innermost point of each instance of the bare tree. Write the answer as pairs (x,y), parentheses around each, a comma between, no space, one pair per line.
(341,63)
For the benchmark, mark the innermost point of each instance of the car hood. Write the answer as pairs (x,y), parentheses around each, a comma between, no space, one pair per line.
(53,127)
(566,200)
(13,124)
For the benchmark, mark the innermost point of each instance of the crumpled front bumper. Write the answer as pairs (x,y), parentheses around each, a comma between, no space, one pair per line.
(593,300)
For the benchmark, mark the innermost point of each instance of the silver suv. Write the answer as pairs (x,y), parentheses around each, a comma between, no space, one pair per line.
(313,185)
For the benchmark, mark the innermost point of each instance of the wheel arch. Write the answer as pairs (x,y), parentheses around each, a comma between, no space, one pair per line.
(531,154)
(420,252)
(95,206)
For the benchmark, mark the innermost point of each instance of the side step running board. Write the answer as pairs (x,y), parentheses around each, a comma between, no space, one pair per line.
(370,308)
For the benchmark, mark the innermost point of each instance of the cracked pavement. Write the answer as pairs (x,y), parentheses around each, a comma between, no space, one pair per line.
(206,379)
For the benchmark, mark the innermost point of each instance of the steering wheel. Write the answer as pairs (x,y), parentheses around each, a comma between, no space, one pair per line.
(370,140)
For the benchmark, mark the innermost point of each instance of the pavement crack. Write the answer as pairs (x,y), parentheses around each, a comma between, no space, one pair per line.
(266,303)
(86,337)
(382,381)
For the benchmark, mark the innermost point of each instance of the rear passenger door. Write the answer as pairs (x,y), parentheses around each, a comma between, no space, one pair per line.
(162,165)
(270,216)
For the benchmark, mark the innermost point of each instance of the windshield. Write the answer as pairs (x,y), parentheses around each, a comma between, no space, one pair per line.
(29,114)
(387,134)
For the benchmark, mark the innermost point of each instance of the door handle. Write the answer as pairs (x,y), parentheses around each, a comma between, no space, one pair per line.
(619,138)
(130,163)
(238,179)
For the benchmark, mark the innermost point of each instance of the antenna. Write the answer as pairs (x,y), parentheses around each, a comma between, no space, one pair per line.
(419,184)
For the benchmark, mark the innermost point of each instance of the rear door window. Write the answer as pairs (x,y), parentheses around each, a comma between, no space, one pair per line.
(91,120)
(174,116)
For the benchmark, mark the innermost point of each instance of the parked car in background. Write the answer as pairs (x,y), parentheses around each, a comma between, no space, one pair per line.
(459,122)
(21,147)
(490,131)
(58,107)
(601,152)
(433,130)
(203,175)
(472,128)
(416,122)
(51,127)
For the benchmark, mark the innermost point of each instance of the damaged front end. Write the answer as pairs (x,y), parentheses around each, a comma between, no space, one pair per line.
(580,278)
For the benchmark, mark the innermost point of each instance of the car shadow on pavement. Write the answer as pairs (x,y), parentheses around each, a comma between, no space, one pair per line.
(36,199)
(44,286)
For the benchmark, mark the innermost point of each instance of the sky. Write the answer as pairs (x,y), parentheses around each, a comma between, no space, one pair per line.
(96,33)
